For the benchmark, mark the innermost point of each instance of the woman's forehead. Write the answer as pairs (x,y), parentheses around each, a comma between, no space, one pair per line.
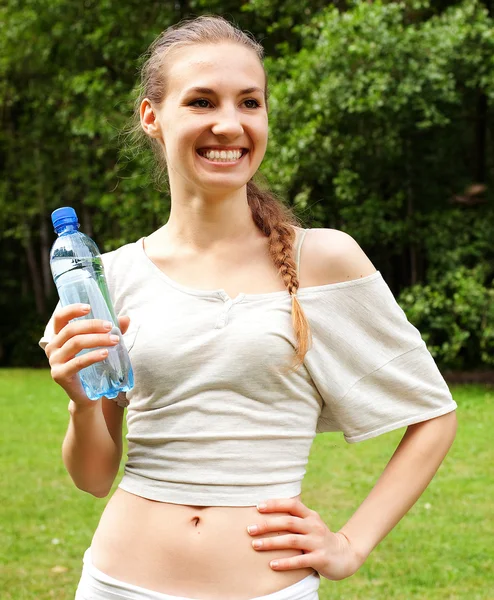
(208,65)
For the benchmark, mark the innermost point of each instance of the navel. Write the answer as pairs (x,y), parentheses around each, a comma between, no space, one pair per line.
(196,521)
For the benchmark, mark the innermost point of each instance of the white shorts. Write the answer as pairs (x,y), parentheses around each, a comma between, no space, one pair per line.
(95,585)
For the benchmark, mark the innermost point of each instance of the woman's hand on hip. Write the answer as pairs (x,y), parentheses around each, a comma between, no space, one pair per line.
(330,554)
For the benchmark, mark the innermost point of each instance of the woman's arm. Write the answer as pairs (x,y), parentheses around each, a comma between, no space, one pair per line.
(411,468)
(423,446)
(92,448)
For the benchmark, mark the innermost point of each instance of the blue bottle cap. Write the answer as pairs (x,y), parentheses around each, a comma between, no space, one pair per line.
(64,216)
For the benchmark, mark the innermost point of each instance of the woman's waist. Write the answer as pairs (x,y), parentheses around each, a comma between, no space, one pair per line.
(182,549)
(169,527)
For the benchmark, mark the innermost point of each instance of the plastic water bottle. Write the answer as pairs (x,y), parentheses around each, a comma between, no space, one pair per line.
(78,273)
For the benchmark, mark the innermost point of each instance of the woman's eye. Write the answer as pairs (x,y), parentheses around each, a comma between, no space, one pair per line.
(254,103)
(200,103)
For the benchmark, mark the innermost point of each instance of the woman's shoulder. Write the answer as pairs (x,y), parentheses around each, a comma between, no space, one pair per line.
(120,255)
(332,256)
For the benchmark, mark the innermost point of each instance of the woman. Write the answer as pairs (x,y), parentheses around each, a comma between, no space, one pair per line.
(243,346)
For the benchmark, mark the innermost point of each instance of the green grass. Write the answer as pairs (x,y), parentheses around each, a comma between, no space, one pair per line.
(443,549)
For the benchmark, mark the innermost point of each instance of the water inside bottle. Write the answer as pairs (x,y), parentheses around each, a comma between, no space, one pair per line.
(81,280)
(69,270)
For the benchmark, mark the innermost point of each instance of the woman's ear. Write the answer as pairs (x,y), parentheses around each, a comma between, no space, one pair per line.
(149,121)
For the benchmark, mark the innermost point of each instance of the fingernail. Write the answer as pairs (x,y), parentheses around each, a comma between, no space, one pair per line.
(257,543)
(252,529)
(274,563)
(262,506)
(85,307)
(114,338)
(107,325)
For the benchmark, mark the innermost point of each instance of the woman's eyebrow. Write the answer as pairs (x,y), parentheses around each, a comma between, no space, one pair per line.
(204,90)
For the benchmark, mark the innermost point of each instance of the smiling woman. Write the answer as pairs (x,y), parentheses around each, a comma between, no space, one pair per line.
(228,105)
(229,390)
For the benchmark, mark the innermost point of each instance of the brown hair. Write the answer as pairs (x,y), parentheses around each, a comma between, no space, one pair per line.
(270,214)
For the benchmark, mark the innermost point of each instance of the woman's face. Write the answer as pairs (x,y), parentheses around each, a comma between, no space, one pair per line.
(214,104)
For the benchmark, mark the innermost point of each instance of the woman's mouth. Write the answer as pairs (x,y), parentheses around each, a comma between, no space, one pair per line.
(222,157)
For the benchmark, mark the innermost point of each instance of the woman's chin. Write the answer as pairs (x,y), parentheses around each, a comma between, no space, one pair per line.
(222,184)
(222,189)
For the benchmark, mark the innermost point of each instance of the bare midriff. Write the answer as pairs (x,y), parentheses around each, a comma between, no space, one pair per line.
(202,552)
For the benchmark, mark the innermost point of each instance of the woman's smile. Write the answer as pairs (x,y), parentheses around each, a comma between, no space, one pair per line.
(222,156)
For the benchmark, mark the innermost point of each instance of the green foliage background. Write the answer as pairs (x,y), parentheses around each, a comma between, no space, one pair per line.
(380,125)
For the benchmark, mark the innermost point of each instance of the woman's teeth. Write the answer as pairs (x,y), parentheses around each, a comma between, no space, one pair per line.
(221,155)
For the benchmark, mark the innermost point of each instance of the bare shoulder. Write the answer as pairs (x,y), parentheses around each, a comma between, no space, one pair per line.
(332,256)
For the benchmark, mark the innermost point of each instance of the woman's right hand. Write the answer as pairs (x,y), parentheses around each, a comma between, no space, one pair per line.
(72,337)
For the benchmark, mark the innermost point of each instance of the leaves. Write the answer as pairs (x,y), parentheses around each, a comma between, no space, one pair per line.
(455,314)
(375,126)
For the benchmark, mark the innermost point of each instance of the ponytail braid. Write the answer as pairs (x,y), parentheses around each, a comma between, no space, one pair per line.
(277,222)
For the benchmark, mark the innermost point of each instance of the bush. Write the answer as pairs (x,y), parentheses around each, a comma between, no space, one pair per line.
(455,315)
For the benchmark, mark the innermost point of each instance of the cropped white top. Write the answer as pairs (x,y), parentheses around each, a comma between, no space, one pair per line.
(214,421)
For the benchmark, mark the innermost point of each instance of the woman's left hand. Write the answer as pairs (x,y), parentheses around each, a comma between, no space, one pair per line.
(331,554)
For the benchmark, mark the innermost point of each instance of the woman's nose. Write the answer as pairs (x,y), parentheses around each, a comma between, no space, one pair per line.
(228,123)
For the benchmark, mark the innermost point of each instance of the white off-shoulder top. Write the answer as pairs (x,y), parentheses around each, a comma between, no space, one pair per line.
(213,420)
